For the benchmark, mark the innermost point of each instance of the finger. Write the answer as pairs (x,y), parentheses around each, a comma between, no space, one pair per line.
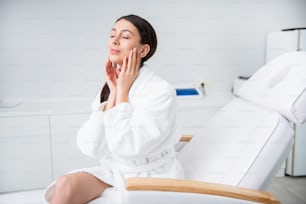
(130,60)
(134,62)
(107,66)
(138,60)
(124,64)
(117,73)
(108,63)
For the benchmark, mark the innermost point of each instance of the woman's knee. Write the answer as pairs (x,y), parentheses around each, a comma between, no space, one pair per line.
(77,188)
(63,189)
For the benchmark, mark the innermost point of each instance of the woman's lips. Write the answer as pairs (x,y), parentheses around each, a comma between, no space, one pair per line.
(114,51)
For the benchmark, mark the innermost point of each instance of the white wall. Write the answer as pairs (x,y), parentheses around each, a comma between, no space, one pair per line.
(57,48)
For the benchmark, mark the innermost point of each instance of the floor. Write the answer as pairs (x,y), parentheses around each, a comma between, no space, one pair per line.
(289,190)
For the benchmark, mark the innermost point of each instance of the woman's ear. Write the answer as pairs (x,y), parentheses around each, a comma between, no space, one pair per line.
(144,50)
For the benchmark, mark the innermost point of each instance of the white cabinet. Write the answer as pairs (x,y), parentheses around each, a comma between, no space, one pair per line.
(38,142)
(24,153)
(65,154)
(38,138)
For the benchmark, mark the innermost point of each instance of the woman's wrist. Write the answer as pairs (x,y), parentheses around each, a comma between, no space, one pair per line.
(122,97)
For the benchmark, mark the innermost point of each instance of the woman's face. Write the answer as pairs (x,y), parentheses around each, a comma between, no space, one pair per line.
(124,37)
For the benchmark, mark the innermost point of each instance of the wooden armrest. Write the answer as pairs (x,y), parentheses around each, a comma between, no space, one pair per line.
(176,185)
(186,138)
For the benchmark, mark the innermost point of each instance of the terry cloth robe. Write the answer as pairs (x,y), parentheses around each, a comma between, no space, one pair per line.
(136,138)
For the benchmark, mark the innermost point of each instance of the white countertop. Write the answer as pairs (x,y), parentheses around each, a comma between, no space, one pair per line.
(207,101)
(49,107)
(83,105)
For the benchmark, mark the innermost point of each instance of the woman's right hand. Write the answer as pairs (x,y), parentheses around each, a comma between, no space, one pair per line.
(111,74)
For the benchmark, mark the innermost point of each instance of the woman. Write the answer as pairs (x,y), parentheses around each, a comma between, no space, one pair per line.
(132,127)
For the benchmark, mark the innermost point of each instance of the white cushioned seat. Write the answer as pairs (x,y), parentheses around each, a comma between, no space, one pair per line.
(280,85)
(236,142)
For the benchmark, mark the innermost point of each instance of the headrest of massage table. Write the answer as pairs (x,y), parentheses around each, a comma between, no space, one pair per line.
(280,86)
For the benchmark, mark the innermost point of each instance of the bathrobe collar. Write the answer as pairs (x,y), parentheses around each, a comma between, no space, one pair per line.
(145,74)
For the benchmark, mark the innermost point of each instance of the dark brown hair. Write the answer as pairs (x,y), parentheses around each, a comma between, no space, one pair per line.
(147,36)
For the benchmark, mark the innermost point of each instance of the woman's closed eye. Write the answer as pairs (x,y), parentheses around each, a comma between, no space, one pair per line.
(122,36)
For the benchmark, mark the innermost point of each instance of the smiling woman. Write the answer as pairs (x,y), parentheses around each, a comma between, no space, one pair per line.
(132,127)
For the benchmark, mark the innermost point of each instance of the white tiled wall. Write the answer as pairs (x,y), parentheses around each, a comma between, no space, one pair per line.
(57,48)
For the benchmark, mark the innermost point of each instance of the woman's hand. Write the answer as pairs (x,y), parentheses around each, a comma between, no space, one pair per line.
(111,74)
(127,76)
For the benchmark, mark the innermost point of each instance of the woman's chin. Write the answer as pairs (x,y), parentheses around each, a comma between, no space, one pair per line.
(115,60)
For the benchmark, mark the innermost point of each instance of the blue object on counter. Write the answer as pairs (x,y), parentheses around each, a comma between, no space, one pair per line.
(186,92)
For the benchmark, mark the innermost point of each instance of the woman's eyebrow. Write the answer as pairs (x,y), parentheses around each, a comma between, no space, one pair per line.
(124,30)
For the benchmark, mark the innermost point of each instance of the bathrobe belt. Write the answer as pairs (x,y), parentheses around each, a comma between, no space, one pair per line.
(143,164)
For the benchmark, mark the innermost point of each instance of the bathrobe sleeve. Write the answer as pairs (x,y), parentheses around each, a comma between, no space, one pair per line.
(145,128)
(91,135)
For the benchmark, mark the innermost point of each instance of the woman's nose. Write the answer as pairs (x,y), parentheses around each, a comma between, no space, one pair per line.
(115,41)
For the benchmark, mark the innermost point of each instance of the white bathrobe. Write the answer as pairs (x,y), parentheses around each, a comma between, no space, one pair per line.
(135,138)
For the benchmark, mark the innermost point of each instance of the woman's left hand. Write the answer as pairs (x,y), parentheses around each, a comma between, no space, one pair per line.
(127,76)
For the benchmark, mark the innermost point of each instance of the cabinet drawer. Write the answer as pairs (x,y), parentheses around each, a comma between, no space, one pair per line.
(24,153)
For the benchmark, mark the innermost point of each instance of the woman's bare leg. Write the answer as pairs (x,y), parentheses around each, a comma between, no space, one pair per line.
(77,188)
